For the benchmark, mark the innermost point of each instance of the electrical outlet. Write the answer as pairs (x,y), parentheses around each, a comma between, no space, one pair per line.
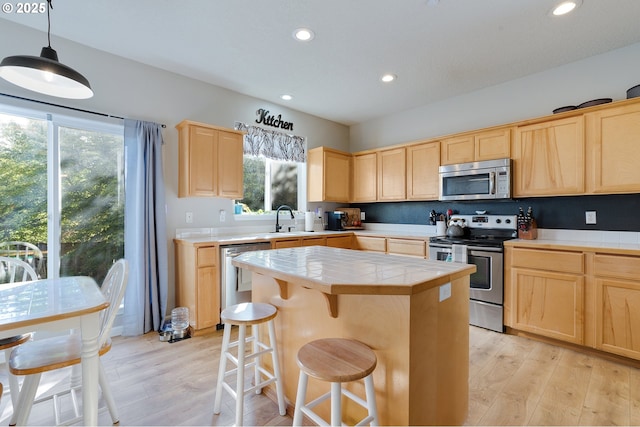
(188,217)
(590,217)
(361,216)
(223,215)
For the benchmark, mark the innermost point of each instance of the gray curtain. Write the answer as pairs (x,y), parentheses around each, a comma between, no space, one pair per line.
(145,235)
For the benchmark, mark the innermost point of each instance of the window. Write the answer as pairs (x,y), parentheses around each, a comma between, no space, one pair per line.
(63,190)
(271,183)
(275,171)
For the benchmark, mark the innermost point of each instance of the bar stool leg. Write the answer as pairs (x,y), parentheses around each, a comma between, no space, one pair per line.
(301,397)
(258,360)
(226,337)
(370,394)
(242,333)
(336,404)
(276,367)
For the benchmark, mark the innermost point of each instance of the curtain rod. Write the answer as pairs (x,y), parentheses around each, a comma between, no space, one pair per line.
(68,108)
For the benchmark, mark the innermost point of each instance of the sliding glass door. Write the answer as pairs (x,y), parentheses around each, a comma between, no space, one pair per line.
(63,190)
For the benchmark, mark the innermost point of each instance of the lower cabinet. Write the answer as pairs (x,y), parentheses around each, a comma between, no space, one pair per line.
(589,298)
(617,299)
(286,243)
(198,284)
(344,242)
(407,247)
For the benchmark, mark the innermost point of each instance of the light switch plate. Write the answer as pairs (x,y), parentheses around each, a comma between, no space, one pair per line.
(188,218)
(223,215)
(445,291)
(590,217)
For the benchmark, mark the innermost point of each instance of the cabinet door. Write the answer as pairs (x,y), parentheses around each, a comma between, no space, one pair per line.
(613,143)
(392,176)
(286,243)
(328,175)
(337,176)
(314,241)
(548,158)
(340,241)
(458,149)
(202,149)
(423,161)
(369,243)
(207,298)
(365,188)
(494,144)
(549,304)
(229,161)
(618,316)
(407,247)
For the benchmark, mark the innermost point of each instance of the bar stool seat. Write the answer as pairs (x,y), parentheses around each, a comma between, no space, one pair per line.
(243,315)
(336,360)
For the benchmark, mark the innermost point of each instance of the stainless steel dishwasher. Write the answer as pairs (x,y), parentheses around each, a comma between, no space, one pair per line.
(235,283)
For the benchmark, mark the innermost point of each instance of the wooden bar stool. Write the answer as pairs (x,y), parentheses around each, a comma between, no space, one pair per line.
(243,315)
(336,360)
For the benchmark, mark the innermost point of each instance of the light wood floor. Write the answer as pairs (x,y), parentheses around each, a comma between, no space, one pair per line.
(513,381)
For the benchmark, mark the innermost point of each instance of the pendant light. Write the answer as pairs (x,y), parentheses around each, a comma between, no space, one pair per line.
(44,74)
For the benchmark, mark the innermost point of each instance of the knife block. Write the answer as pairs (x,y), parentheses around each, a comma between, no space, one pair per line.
(531,233)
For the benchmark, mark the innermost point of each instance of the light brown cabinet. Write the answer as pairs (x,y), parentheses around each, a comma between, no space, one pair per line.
(344,242)
(198,284)
(286,243)
(423,161)
(328,175)
(409,247)
(392,175)
(545,293)
(210,161)
(613,150)
(617,299)
(370,243)
(474,147)
(549,158)
(365,178)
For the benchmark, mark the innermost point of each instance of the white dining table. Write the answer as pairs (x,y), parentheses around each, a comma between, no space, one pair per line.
(53,305)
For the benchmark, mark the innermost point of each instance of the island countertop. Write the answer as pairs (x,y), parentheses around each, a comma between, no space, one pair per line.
(335,271)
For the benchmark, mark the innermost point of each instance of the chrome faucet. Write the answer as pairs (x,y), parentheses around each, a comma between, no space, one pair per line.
(278,226)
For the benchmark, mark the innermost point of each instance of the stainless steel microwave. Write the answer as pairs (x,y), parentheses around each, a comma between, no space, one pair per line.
(489,179)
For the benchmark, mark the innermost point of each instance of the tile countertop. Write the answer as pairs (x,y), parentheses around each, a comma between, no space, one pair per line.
(337,271)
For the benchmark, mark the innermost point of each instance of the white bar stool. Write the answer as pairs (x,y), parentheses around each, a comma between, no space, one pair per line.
(336,360)
(243,315)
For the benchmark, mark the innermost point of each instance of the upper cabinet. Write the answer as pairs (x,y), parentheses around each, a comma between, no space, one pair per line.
(209,161)
(475,147)
(392,175)
(548,158)
(328,175)
(613,150)
(365,178)
(423,161)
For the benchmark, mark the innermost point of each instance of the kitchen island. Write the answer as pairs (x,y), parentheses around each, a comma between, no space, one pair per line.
(412,312)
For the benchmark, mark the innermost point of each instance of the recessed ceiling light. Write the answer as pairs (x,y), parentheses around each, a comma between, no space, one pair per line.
(387,78)
(565,7)
(303,34)
(287,97)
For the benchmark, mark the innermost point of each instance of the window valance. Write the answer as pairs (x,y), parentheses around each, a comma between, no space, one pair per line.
(272,144)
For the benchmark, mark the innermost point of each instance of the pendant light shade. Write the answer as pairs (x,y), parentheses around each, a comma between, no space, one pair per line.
(45,74)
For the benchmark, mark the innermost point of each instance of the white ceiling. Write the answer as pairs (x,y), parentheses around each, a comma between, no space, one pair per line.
(438,49)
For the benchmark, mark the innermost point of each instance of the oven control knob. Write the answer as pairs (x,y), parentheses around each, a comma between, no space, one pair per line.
(498,221)
(508,221)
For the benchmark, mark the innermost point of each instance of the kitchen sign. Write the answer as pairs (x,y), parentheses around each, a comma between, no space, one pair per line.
(270,120)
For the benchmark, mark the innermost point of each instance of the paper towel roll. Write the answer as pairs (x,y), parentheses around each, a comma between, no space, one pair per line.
(309,218)
(441,230)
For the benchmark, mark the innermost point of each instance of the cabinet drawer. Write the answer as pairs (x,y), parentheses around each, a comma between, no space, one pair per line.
(407,247)
(207,256)
(314,241)
(376,244)
(623,267)
(339,242)
(569,262)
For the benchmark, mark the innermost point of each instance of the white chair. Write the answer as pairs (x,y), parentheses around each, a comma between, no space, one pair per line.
(36,357)
(14,270)
(26,252)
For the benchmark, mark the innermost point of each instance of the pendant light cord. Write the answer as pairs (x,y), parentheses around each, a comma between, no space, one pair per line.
(50,6)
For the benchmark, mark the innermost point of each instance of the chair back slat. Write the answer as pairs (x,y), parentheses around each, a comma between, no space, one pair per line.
(15,270)
(27,252)
(113,288)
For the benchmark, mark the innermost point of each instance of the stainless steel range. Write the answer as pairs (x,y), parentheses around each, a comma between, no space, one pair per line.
(482,245)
